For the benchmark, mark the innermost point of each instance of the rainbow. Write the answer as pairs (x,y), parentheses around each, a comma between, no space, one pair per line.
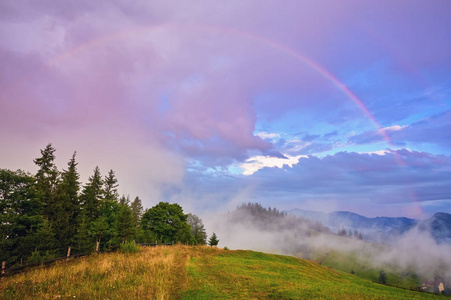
(300,57)
(270,43)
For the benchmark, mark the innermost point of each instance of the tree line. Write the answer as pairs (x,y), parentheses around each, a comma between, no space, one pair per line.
(41,215)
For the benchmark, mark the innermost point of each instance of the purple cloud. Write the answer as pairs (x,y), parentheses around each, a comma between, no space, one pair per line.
(365,183)
(160,89)
(433,130)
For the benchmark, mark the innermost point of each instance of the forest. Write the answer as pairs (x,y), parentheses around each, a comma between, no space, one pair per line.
(43,214)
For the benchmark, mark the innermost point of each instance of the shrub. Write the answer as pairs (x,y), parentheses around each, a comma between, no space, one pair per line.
(40,256)
(129,247)
(382,277)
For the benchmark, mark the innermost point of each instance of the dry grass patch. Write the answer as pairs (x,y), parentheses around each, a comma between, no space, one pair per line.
(153,273)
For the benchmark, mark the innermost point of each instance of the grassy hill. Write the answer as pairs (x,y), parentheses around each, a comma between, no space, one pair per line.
(183,272)
(361,266)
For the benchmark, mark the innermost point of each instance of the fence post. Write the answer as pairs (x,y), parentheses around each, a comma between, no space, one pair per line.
(3,267)
(97,246)
(68,254)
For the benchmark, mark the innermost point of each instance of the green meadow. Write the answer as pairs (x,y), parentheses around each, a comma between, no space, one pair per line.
(199,272)
(362,266)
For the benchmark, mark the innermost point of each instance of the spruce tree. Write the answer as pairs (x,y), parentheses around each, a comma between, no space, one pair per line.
(67,205)
(20,216)
(99,229)
(124,200)
(107,235)
(382,277)
(110,187)
(91,196)
(125,223)
(213,240)
(47,180)
(137,210)
(82,239)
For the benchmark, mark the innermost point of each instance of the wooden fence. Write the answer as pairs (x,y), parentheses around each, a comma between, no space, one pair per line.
(13,270)
(156,244)
(16,269)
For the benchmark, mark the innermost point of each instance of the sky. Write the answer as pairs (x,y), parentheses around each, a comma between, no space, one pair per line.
(318,105)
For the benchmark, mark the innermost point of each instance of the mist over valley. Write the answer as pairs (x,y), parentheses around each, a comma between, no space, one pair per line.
(411,251)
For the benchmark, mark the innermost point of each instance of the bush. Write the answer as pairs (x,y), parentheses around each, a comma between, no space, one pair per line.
(40,256)
(382,277)
(129,247)
(225,248)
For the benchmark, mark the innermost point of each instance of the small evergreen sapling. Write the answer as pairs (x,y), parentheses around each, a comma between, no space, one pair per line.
(382,277)
(213,240)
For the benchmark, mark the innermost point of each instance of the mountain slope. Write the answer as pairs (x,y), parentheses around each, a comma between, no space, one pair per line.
(380,228)
(193,273)
(256,275)
(351,220)
(439,226)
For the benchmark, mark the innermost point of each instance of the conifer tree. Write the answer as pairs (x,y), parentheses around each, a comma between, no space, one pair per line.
(91,195)
(82,239)
(382,277)
(47,180)
(213,240)
(20,215)
(99,229)
(67,204)
(124,200)
(137,210)
(125,223)
(108,215)
(110,187)
(45,243)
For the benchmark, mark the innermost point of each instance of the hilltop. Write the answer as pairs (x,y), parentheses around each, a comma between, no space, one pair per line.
(200,272)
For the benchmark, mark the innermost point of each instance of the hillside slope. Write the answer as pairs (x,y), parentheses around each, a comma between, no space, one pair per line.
(183,272)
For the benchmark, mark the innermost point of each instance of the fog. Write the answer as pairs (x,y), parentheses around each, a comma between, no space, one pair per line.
(413,251)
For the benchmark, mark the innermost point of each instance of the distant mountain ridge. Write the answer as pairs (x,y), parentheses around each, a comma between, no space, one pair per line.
(439,226)
(380,228)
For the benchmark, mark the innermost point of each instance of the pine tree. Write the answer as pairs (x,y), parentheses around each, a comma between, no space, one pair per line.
(124,200)
(110,187)
(82,239)
(20,215)
(382,277)
(125,223)
(47,180)
(109,212)
(99,229)
(137,210)
(213,240)
(92,195)
(67,204)
(45,243)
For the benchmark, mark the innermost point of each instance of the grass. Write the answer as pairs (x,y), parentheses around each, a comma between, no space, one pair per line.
(254,275)
(352,262)
(184,272)
(153,273)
